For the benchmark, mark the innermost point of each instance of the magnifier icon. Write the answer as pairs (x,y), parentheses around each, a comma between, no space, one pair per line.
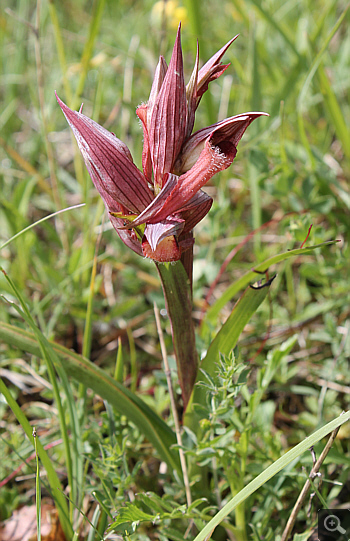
(332,524)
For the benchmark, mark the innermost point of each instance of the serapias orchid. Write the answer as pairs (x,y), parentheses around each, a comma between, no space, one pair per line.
(155,211)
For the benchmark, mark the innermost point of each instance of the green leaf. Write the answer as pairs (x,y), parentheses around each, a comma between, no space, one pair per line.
(227,337)
(177,294)
(127,403)
(37,488)
(267,474)
(131,513)
(225,340)
(155,502)
(174,535)
(242,282)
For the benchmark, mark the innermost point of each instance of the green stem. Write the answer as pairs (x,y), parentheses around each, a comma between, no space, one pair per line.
(177,293)
(240,519)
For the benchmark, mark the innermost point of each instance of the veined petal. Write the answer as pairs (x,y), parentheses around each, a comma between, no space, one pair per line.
(166,228)
(109,162)
(219,151)
(191,94)
(191,213)
(211,160)
(185,241)
(231,129)
(158,202)
(158,79)
(212,70)
(141,112)
(167,127)
(129,237)
(195,210)
(144,113)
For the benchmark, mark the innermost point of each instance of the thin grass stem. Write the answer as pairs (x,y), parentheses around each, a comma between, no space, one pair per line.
(86,350)
(37,488)
(291,521)
(39,222)
(119,365)
(173,407)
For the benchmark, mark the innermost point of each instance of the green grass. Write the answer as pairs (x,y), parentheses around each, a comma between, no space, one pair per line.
(89,293)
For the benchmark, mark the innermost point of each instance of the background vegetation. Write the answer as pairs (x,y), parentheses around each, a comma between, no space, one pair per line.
(291,373)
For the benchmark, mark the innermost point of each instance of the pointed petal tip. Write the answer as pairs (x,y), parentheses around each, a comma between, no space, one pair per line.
(58,98)
(232,40)
(63,106)
(256,114)
(178,32)
(251,114)
(168,120)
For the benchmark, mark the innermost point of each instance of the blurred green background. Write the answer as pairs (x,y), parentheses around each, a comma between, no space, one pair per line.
(291,60)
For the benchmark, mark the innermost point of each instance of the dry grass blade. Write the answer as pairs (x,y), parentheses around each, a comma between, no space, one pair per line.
(294,514)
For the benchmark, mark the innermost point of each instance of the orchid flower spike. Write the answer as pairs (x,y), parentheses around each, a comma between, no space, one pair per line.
(155,211)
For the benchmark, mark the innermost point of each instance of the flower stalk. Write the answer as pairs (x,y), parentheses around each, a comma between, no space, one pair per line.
(178,299)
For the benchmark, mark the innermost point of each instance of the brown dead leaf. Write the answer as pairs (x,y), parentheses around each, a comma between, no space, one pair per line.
(22,525)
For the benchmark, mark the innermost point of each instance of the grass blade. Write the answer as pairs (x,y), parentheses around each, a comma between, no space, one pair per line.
(242,282)
(225,340)
(272,470)
(60,49)
(119,365)
(334,110)
(37,488)
(283,31)
(37,223)
(318,60)
(83,370)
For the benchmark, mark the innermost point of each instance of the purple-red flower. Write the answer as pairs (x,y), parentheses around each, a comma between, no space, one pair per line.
(155,211)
